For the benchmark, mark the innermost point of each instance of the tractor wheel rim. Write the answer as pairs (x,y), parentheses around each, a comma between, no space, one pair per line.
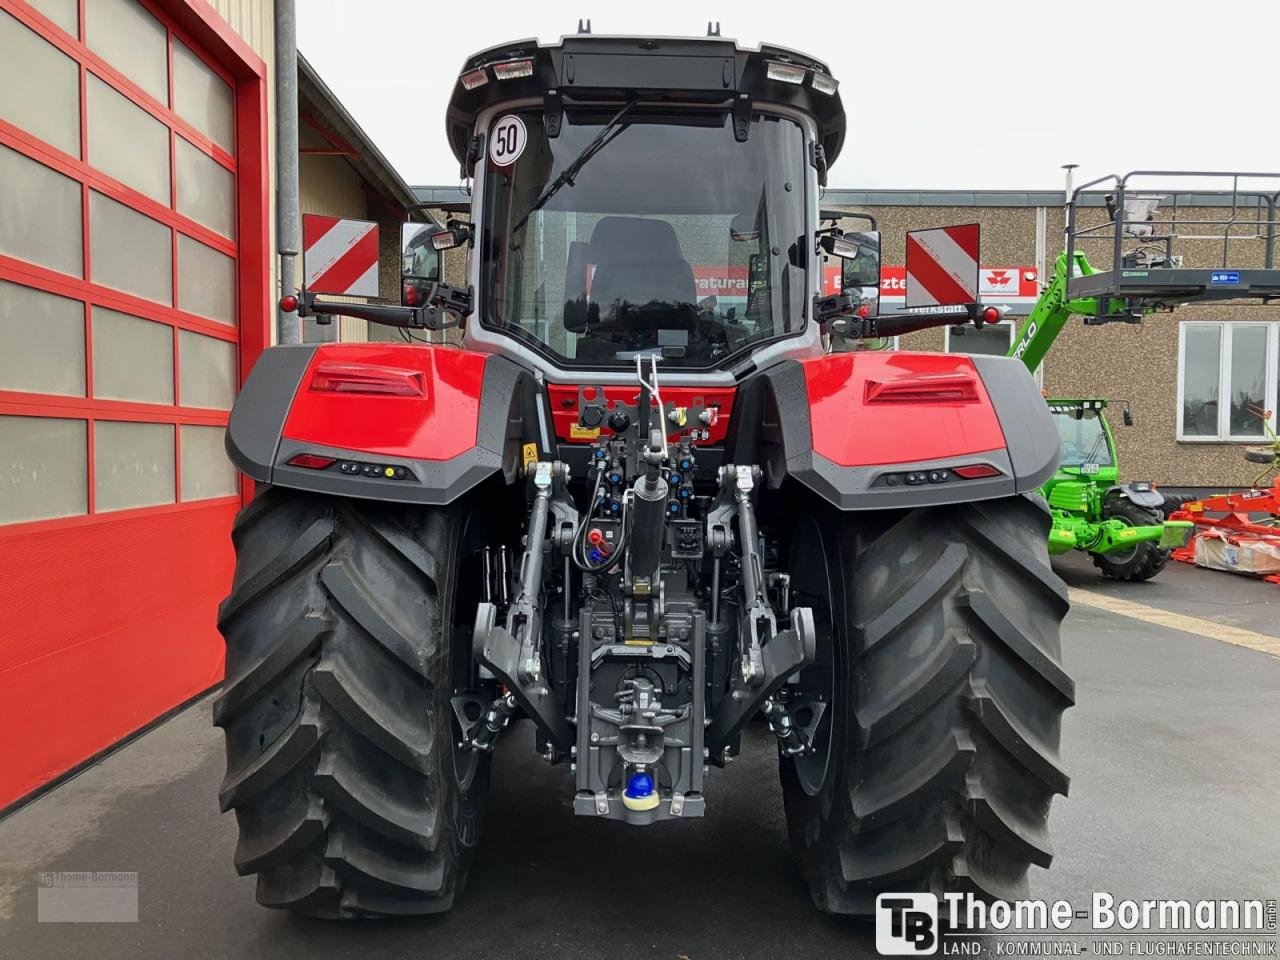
(1122,557)
(811,586)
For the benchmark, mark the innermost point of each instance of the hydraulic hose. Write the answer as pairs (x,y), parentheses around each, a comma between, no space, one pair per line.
(579,536)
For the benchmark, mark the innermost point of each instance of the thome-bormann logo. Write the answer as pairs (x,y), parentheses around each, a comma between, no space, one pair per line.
(918,924)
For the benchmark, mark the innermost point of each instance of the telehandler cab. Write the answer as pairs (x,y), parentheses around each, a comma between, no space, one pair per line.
(639,506)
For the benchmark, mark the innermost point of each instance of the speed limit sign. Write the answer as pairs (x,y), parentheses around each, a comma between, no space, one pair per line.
(507,140)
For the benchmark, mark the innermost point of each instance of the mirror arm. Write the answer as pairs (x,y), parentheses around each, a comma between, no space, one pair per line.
(835,313)
(442,302)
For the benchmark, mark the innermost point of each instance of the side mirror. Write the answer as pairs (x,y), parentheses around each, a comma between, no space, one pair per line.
(1127,415)
(419,263)
(420,259)
(860,274)
(942,266)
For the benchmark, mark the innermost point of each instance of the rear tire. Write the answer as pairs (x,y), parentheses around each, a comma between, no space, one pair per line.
(1142,562)
(948,691)
(337,706)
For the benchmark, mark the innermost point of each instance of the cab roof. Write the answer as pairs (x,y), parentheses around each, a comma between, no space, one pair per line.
(682,70)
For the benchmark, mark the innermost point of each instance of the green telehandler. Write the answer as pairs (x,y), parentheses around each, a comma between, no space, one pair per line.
(1122,525)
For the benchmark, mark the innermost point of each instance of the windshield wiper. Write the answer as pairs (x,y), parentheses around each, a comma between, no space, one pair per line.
(601,140)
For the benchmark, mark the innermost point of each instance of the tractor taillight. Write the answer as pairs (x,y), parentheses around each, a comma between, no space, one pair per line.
(367,379)
(288,303)
(991,315)
(312,461)
(975,471)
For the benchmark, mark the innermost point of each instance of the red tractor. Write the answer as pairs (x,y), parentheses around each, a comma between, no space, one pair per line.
(643,504)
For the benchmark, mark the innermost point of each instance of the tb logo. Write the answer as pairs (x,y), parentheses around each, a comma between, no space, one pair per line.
(906,924)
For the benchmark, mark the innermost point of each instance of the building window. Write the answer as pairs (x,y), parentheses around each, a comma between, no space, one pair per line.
(1227,378)
(994,339)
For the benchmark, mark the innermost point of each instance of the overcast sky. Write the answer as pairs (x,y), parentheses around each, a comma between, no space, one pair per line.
(980,94)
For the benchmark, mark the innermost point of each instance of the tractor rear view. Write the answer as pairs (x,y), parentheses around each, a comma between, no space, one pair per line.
(643,504)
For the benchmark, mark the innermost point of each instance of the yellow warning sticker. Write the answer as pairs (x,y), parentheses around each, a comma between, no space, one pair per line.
(638,642)
(578,432)
(530,453)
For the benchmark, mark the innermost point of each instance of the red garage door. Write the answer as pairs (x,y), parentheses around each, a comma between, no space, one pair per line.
(131,298)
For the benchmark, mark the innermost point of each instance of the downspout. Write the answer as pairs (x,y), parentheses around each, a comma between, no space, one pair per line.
(288,326)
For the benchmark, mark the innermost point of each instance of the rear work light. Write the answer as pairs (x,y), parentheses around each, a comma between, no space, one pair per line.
(513,69)
(367,379)
(474,79)
(823,83)
(312,461)
(975,471)
(786,72)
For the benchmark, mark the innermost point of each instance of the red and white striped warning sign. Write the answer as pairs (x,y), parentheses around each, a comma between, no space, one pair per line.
(339,256)
(942,266)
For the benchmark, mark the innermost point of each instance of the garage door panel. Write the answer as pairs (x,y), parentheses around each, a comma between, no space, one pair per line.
(206,370)
(203,98)
(64,13)
(43,337)
(92,711)
(206,471)
(132,41)
(138,566)
(133,464)
(206,189)
(39,87)
(130,251)
(43,469)
(40,214)
(132,358)
(206,281)
(126,142)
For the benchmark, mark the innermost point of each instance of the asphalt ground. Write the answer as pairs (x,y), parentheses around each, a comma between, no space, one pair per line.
(1172,747)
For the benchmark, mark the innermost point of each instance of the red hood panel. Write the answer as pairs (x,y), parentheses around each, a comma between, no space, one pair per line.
(869,408)
(439,424)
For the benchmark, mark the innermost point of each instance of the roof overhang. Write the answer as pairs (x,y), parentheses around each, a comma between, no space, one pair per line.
(320,107)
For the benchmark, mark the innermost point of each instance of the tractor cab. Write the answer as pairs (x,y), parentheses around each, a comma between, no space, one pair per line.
(643,197)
